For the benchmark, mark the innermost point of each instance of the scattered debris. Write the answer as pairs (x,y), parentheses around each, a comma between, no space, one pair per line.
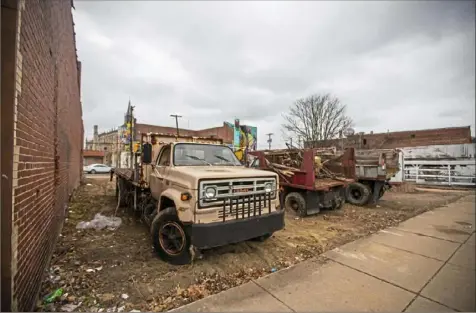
(124,262)
(100,222)
(53,296)
(124,296)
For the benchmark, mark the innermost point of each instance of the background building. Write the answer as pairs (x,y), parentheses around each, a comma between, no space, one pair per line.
(400,139)
(112,142)
(93,157)
(441,156)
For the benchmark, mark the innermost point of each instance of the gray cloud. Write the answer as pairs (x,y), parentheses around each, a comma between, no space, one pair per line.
(396,65)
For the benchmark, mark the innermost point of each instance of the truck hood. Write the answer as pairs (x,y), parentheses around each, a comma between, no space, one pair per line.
(199,172)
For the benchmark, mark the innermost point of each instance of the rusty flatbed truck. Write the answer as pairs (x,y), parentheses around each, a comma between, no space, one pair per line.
(373,170)
(305,189)
(198,196)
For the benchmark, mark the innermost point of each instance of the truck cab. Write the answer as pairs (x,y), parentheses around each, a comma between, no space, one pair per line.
(198,196)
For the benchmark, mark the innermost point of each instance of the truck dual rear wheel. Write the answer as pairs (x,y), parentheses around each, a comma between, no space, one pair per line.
(358,194)
(381,193)
(295,204)
(169,238)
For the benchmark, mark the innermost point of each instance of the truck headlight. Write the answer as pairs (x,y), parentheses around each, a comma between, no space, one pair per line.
(210,192)
(268,187)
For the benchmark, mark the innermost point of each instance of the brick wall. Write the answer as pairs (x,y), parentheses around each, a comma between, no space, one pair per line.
(224,132)
(411,138)
(48,136)
(93,160)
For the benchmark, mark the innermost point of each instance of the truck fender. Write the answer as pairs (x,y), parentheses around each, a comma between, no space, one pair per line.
(184,209)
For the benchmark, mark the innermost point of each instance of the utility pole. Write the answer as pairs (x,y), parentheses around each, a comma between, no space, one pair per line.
(269,140)
(291,141)
(131,143)
(176,121)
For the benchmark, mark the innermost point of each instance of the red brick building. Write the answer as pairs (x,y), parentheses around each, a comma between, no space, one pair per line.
(410,138)
(93,157)
(222,132)
(41,140)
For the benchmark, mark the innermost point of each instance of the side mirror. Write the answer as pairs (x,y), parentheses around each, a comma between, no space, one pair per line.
(146,153)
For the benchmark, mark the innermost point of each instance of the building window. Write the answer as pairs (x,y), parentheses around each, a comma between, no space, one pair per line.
(364,141)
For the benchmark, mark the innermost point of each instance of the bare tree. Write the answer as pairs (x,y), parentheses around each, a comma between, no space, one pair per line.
(317,117)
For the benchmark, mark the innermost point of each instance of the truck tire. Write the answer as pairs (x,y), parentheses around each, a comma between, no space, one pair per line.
(381,193)
(295,204)
(358,194)
(169,238)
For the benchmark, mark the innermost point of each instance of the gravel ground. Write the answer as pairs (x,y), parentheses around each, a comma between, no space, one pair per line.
(117,270)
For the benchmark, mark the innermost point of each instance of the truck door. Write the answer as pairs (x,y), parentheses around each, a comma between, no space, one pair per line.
(158,176)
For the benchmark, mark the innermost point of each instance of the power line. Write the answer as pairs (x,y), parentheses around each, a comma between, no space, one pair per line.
(176,121)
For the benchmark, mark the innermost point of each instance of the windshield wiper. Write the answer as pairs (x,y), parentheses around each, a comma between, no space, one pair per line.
(196,158)
(224,159)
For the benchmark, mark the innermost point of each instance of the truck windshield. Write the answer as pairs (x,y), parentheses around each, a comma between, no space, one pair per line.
(190,154)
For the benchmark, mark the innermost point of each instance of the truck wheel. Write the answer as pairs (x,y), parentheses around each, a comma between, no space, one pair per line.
(358,194)
(295,204)
(170,239)
(381,193)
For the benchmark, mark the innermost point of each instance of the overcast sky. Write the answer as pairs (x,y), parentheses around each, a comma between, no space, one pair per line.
(396,65)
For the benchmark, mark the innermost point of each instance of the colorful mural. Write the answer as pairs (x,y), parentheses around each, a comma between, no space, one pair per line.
(244,136)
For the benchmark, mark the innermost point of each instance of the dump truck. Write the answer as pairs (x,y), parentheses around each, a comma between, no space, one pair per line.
(310,179)
(197,196)
(373,171)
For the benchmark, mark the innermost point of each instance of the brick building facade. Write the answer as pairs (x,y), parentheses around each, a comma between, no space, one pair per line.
(93,157)
(410,138)
(42,136)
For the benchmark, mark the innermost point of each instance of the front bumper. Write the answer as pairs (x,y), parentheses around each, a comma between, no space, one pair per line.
(205,236)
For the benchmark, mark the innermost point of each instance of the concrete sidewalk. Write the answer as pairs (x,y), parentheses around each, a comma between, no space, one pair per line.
(425,264)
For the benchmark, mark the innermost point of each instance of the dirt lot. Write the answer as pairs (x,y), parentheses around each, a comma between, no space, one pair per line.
(118,270)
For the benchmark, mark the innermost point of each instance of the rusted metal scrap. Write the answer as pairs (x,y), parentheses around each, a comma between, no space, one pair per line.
(287,162)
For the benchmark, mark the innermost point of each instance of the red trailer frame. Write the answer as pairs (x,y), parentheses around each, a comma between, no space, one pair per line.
(315,193)
(305,177)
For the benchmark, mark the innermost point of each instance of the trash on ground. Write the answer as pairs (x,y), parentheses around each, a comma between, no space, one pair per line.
(54,295)
(124,296)
(273,270)
(100,222)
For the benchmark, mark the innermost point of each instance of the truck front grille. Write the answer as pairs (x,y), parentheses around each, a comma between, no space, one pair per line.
(235,189)
(245,206)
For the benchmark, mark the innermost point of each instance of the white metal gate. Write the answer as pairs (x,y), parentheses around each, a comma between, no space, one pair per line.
(440,172)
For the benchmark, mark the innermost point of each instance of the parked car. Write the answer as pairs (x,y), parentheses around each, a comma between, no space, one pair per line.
(97,168)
